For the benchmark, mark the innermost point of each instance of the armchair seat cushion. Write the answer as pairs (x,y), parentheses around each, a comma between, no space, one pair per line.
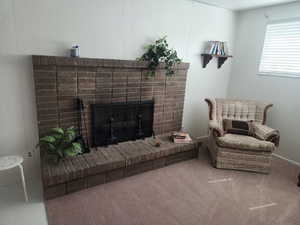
(243,142)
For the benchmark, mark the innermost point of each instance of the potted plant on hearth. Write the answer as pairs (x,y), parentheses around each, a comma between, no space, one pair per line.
(159,52)
(60,143)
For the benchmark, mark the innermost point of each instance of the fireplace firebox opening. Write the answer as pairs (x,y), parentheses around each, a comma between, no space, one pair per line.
(119,122)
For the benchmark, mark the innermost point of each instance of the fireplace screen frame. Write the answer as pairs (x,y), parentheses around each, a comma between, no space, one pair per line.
(122,121)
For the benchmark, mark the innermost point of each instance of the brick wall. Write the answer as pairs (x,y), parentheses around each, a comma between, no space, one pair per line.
(59,80)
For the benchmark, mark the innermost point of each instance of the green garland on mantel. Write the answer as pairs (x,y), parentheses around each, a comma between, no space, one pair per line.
(159,52)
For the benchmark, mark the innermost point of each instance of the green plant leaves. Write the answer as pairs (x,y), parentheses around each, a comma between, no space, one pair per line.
(70,134)
(159,52)
(73,150)
(51,147)
(60,153)
(61,143)
(58,130)
(47,139)
(70,152)
(76,146)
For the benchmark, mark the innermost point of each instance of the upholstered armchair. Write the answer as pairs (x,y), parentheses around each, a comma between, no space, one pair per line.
(241,152)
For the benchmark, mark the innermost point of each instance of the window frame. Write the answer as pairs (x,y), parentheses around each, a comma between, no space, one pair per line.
(276,74)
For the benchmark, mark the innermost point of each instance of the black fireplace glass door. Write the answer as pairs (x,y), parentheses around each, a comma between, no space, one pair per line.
(121,122)
(100,124)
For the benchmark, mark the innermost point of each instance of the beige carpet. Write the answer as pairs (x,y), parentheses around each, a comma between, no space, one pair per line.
(187,193)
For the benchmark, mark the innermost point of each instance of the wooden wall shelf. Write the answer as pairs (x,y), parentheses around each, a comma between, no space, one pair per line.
(221,59)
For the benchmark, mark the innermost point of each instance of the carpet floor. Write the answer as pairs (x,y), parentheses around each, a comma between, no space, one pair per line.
(186,193)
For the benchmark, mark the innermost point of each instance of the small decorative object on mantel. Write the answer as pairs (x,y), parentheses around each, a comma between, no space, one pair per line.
(160,52)
(216,49)
(60,143)
(180,137)
(75,51)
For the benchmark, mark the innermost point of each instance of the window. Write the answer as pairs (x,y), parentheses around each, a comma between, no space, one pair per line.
(281,51)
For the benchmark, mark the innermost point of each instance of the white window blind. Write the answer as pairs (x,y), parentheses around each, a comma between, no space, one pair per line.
(281,51)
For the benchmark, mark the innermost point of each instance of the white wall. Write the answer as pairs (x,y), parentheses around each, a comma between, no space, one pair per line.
(104,29)
(245,83)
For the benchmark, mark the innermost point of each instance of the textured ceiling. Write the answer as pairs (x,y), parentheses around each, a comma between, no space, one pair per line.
(243,4)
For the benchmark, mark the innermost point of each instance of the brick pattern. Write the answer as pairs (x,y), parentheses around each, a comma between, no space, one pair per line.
(59,80)
(106,164)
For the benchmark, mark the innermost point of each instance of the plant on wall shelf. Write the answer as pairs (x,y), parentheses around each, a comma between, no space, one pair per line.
(159,52)
(61,143)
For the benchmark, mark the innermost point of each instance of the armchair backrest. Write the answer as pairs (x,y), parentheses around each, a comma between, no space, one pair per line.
(247,110)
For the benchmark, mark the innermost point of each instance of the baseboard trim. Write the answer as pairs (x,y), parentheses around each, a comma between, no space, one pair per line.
(286,159)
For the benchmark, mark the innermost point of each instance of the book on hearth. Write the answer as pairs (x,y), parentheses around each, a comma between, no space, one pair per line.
(181,137)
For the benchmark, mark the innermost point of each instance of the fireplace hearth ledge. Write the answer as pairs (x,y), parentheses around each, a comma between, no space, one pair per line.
(105,164)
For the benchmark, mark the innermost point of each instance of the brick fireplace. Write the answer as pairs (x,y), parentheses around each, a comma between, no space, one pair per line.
(60,80)
(102,83)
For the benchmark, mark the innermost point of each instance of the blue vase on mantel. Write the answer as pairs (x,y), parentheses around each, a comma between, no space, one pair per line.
(75,51)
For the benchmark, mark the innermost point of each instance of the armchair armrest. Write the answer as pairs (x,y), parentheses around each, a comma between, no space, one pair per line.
(216,128)
(266,133)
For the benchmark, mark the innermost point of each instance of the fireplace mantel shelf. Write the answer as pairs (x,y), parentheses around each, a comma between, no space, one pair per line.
(97,62)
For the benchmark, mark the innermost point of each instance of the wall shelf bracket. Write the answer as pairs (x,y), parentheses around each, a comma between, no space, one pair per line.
(221,59)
